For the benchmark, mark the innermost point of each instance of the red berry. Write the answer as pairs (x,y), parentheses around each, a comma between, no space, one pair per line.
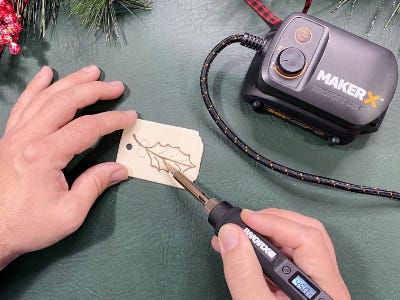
(2,14)
(14,48)
(10,18)
(9,7)
(14,28)
(5,39)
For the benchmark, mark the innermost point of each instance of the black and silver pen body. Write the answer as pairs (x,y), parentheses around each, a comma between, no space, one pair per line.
(276,266)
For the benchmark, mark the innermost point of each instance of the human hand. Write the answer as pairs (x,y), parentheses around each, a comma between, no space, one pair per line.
(302,239)
(37,207)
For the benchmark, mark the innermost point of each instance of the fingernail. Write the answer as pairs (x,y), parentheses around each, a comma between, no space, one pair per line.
(89,69)
(116,83)
(228,237)
(41,72)
(119,175)
(131,113)
(249,212)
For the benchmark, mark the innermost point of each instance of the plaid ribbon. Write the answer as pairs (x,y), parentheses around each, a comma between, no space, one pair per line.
(307,5)
(263,12)
(267,15)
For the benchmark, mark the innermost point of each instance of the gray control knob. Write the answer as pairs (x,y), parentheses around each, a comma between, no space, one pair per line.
(291,62)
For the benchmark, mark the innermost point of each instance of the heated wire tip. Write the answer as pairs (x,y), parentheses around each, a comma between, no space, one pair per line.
(169,168)
(208,203)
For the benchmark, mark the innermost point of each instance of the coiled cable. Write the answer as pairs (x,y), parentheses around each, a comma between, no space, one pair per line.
(257,44)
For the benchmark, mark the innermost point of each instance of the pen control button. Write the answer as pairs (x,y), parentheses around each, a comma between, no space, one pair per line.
(286,270)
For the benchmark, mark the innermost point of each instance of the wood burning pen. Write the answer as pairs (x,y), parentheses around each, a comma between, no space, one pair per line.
(276,266)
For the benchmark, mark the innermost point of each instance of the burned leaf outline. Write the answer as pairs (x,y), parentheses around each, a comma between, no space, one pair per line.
(181,165)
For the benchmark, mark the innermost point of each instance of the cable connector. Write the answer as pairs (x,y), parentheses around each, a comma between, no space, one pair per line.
(253,42)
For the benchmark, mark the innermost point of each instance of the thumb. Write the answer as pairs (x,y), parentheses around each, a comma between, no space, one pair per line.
(92,183)
(243,272)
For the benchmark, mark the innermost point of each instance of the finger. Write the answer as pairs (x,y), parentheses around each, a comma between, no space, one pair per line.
(305,220)
(310,251)
(87,74)
(285,250)
(92,183)
(286,232)
(40,82)
(277,293)
(64,104)
(215,244)
(243,272)
(83,132)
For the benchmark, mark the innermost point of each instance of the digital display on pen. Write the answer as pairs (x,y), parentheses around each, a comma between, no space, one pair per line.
(303,286)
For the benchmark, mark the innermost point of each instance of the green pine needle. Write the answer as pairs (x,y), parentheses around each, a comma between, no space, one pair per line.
(395,13)
(384,3)
(101,15)
(343,2)
(37,15)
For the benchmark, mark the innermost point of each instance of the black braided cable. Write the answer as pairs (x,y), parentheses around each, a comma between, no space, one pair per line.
(244,40)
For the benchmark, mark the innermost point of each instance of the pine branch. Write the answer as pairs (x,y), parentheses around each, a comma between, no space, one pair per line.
(101,15)
(37,15)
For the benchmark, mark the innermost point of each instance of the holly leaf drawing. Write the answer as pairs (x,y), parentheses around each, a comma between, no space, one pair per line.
(173,155)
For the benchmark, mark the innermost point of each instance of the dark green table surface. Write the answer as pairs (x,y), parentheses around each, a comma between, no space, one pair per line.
(147,241)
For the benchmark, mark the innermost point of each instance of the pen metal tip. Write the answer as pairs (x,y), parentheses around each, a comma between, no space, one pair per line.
(190,186)
(169,167)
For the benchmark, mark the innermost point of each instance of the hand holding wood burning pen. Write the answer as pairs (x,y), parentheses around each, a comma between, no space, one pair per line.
(247,254)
